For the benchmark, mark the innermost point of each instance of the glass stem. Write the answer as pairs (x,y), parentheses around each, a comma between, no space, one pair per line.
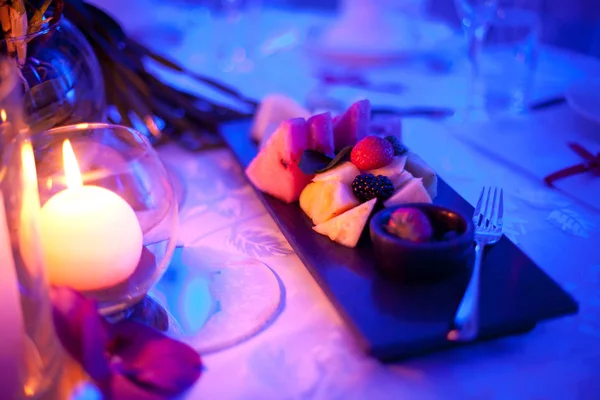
(475,38)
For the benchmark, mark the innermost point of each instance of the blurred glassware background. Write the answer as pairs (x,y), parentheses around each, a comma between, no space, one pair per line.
(61,76)
(238,25)
(502,38)
(191,32)
(573,24)
(235,30)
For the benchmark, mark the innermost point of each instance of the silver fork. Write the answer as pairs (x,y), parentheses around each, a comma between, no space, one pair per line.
(488,230)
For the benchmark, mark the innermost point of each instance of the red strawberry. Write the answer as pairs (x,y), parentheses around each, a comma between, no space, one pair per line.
(372,152)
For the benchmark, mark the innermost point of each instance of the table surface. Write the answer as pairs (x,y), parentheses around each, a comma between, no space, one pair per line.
(307,352)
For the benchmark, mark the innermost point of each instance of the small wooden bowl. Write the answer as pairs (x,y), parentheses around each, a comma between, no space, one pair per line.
(409,261)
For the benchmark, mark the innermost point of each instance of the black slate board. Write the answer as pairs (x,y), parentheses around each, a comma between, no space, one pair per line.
(392,320)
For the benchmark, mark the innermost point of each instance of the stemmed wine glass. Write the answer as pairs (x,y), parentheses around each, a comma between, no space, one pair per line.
(476,17)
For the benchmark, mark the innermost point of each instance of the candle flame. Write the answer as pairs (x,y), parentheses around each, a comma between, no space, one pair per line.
(28,161)
(3,115)
(72,172)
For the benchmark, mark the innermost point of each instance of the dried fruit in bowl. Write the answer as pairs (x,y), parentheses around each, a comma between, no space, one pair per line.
(410,224)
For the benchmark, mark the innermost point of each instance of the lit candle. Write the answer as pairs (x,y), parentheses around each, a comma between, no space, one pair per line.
(91,237)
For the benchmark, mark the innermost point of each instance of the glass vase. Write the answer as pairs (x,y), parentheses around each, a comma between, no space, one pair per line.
(30,354)
(60,74)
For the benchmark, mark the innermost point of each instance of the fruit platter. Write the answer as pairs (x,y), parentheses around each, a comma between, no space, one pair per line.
(340,170)
(326,180)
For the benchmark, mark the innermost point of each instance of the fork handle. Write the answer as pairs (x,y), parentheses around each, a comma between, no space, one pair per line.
(466,320)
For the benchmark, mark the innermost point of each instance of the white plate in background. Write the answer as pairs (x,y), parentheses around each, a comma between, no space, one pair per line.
(584,98)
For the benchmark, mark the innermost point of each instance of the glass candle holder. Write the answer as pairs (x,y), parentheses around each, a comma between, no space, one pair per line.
(60,74)
(109,215)
(30,354)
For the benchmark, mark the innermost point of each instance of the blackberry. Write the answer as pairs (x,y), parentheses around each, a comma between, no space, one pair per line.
(399,148)
(369,186)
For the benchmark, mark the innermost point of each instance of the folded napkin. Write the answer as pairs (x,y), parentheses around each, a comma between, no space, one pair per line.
(537,145)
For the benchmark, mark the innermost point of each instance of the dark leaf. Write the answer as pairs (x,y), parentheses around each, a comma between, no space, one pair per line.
(313,161)
(191,121)
(36,10)
(342,156)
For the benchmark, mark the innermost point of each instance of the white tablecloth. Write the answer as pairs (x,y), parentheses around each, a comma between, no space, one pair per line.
(307,352)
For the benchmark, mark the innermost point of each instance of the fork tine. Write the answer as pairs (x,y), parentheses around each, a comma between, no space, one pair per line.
(501,207)
(493,205)
(485,212)
(477,211)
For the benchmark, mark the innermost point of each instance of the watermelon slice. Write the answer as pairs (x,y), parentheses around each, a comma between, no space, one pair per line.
(274,109)
(352,125)
(320,134)
(275,169)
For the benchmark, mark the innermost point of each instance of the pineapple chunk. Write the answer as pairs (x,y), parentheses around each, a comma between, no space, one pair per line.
(419,169)
(322,201)
(412,192)
(346,229)
(345,173)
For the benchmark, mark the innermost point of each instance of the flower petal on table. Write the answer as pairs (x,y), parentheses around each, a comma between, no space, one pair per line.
(152,360)
(81,331)
(121,388)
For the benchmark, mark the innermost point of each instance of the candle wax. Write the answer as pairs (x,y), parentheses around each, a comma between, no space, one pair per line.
(92,238)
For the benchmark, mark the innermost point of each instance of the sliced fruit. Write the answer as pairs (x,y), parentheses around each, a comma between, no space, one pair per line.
(412,191)
(347,228)
(404,177)
(344,172)
(273,110)
(394,171)
(419,169)
(268,131)
(372,152)
(275,169)
(320,134)
(367,186)
(322,201)
(352,125)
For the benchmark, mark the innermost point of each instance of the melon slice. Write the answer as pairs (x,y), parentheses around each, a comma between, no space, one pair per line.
(275,169)
(344,172)
(412,192)
(268,131)
(352,125)
(347,228)
(272,111)
(320,134)
(322,201)
(394,171)
(401,180)
(419,169)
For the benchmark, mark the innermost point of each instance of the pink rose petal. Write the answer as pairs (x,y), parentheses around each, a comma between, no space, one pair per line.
(126,360)
(153,360)
(81,331)
(121,388)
